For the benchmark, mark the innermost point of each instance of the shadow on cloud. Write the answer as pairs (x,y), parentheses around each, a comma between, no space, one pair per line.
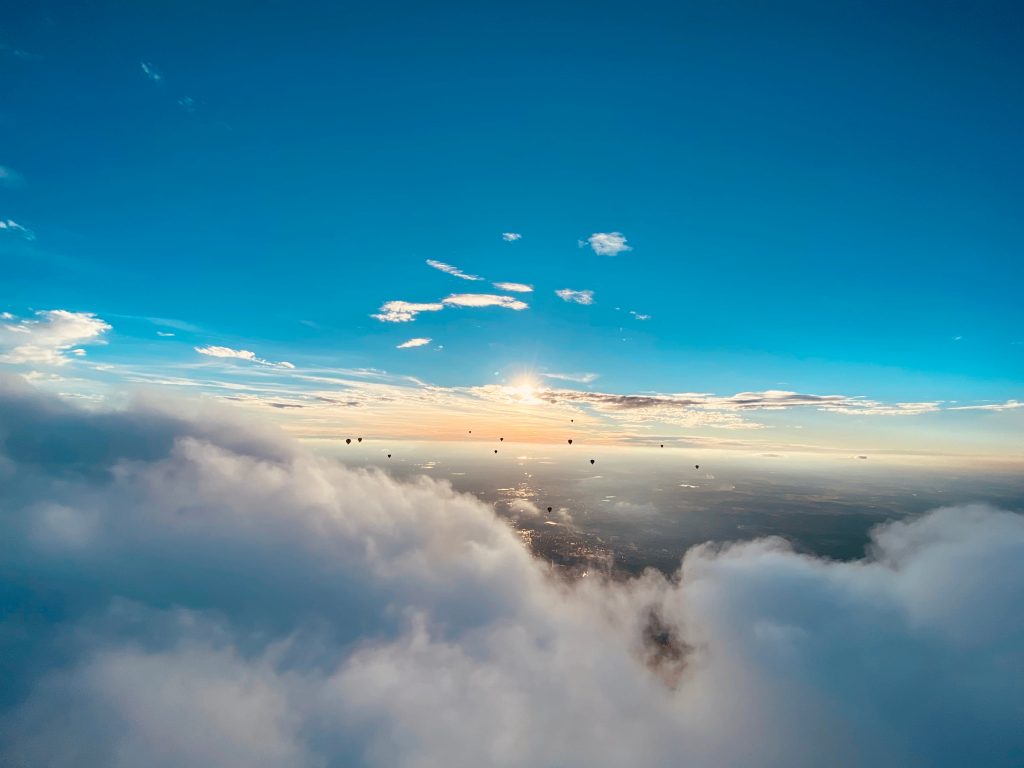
(180,589)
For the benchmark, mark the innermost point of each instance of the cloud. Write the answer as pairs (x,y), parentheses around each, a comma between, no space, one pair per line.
(581,378)
(638,316)
(1009,405)
(575,297)
(413,343)
(150,71)
(484,300)
(239,354)
(50,338)
(404,311)
(608,243)
(514,287)
(165,334)
(511,237)
(449,269)
(9,177)
(183,590)
(10,225)
(187,103)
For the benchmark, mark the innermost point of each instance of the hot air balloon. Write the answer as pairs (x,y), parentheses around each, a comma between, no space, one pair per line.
(389,455)
(570,441)
(359,439)
(549,509)
(662,445)
(495,450)
(348,440)
(591,461)
(696,466)
(501,439)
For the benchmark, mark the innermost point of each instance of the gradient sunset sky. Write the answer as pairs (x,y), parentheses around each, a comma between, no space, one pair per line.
(792,227)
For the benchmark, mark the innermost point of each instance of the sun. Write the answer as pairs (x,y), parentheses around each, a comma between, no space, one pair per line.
(525,388)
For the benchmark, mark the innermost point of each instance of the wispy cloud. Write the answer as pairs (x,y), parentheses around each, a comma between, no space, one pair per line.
(51,337)
(511,237)
(639,316)
(514,287)
(239,354)
(164,333)
(449,269)
(419,342)
(608,243)
(575,297)
(10,225)
(187,103)
(580,378)
(9,177)
(1009,405)
(150,71)
(484,300)
(404,311)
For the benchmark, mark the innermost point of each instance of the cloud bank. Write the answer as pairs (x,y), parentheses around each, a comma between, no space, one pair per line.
(180,590)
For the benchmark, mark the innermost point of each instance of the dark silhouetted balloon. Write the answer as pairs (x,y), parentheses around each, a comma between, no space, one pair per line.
(495,450)
(549,509)
(501,439)
(389,455)
(570,442)
(662,445)
(359,439)
(471,431)
(572,421)
(696,466)
(591,461)
(348,440)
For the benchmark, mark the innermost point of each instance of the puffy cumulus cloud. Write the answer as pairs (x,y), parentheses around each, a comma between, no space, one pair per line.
(50,337)
(413,343)
(239,354)
(181,590)
(511,237)
(575,297)
(449,269)
(484,300)
(608,243)
(404,311)
(514,287)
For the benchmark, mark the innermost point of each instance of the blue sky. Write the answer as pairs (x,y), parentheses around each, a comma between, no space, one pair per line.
(817,198)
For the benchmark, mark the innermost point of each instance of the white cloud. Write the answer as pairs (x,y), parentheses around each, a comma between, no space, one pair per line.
(608,243)
(50,337)
(404,311)
(511,237)
(10,225)
(413,343)
(1009,405)
(580,378)
(187,103)
(9,177)
(449,269)
(484,300)
(183,591)
(514,287)
(638,316)
(165,334)
(239,354)
(575,297)
(150,71)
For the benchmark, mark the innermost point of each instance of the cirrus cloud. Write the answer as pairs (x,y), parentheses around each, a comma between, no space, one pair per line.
(449,269)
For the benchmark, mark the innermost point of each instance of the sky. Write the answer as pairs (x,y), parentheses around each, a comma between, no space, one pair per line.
(702,199)
(429,385)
